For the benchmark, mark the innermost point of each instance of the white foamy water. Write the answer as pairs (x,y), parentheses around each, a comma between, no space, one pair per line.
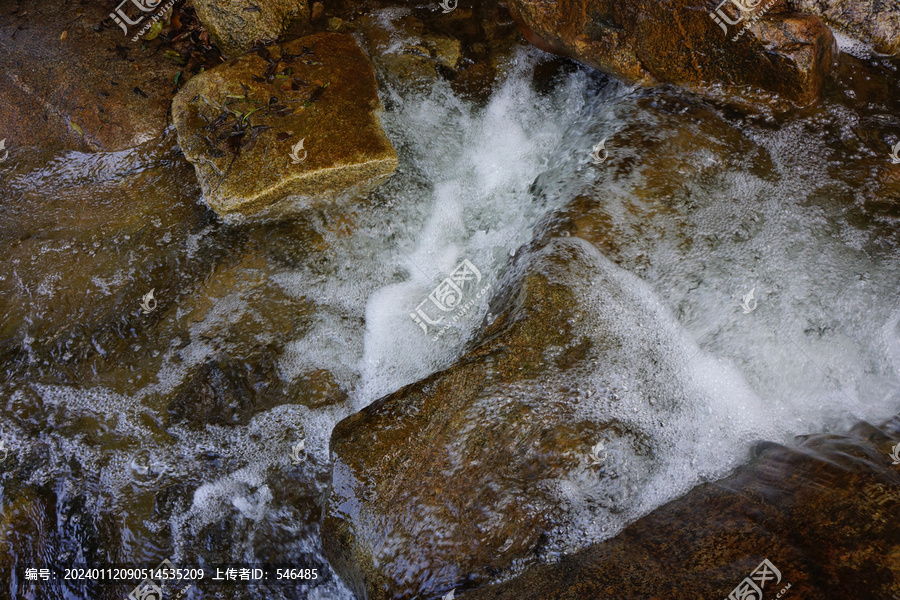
(461,193)
(820,350)
(469,177)
(701,377)
(853,46)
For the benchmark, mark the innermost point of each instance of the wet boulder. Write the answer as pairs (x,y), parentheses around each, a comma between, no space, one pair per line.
(755,52)
(236,25)
(520,447)
(285,127)
(876,22)
(816,513)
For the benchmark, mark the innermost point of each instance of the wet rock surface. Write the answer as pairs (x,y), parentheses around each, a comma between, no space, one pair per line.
(144,215)
(298,120)
(822,513)
(236,26)
(134,436)
(874,21)
(182,408)
(453,479)
(780,53)
(666,158)
(70,78)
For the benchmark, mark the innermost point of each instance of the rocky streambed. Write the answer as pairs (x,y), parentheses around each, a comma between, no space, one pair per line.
(387,294)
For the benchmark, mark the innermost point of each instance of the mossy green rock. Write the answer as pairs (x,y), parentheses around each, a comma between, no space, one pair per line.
(240,124)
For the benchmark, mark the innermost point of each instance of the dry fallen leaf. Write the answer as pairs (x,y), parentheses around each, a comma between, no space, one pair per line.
(64,35)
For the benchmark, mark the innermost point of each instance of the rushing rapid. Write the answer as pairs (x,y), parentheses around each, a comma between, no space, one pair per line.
(772,313)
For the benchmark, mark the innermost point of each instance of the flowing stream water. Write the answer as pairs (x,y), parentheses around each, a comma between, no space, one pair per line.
(819,350)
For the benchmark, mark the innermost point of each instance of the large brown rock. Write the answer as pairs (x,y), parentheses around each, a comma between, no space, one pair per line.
(824,514)
(237,25)
(457,477)
(874,21)
(239,122)
(677,41)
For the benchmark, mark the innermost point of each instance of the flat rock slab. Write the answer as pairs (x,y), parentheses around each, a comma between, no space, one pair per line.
(241,125)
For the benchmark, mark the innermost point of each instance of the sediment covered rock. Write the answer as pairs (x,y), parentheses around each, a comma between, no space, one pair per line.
(297,121)
(237,25)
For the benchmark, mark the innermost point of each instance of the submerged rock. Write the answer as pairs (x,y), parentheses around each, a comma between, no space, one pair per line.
(823,514)
(242,315)
(236,25)
(285,126)
(86,242)
(764,50)
(89,89)
(413,50)
(401,49)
